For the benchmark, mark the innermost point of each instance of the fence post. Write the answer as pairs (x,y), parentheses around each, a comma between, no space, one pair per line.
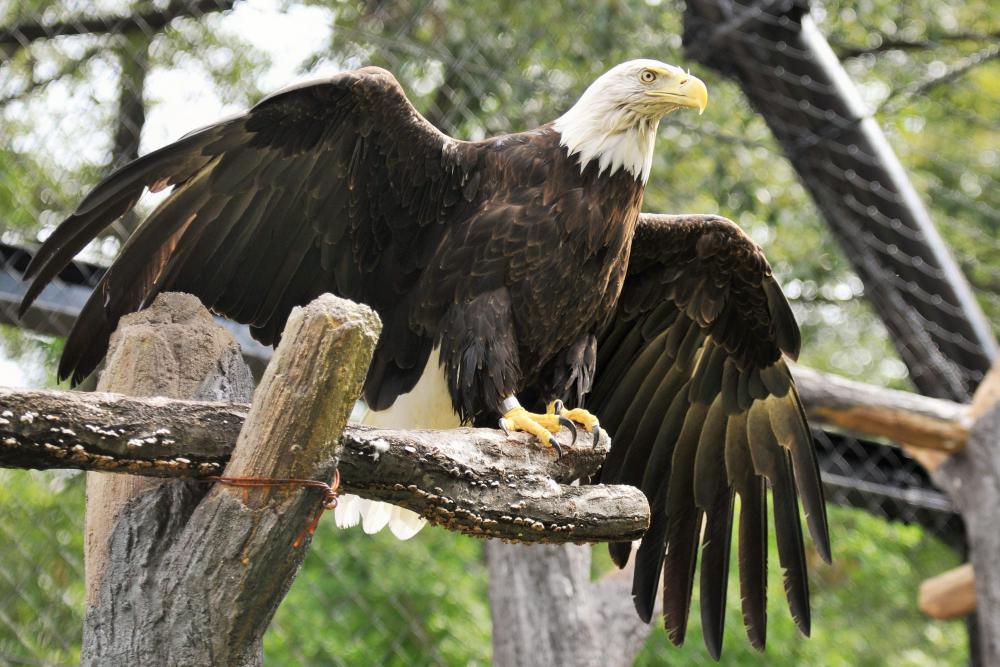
(192,580)
(972,479)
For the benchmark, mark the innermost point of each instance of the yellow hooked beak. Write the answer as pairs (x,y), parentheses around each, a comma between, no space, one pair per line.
(682,91)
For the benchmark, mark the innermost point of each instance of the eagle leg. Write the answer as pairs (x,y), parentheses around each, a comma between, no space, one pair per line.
(580,416)
(542,426)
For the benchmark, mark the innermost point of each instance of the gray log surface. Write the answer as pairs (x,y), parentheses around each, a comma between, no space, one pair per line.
(476,481)
(172,349)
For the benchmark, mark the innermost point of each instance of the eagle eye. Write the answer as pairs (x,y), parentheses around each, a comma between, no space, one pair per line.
(647,76)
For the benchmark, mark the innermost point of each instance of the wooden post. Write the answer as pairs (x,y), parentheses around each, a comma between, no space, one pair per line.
(195,581)
(972,479)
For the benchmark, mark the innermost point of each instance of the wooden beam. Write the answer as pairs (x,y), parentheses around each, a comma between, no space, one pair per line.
(919,422)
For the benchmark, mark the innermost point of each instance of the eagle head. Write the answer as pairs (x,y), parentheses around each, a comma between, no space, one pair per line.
(615,120)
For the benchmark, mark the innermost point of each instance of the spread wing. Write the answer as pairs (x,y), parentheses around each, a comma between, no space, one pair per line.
(692,385)
(337,185)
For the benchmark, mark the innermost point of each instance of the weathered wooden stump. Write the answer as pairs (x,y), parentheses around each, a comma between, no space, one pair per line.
(185,577)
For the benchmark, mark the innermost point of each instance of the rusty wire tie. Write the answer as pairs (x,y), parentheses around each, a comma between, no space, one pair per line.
(329,493)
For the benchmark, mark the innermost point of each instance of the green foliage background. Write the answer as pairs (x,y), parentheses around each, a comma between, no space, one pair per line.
(475,68)
(372,600)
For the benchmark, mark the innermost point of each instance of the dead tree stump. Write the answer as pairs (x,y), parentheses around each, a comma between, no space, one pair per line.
(175,349)
(194,579)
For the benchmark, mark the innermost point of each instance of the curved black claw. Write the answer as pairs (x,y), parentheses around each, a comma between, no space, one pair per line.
(569,425)
(595,435)
(555,443)
(503,427)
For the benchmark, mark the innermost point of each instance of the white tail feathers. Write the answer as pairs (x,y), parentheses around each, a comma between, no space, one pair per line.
(427,406)
(374,516)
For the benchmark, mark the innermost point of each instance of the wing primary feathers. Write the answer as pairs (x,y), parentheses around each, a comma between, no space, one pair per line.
(714,325)
(773,462)
(649,557)
(683,525)
(620,552)
(715,570)
(753,560)
(752,529)
(661,422)
(652,470)
(791,430)
(110,199)
(714,496)
(129,282)
(67,240)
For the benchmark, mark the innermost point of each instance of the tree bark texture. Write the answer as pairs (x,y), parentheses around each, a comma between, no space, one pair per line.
(475,481)
(172,349)
(972,479)
(194,578)
(547,611)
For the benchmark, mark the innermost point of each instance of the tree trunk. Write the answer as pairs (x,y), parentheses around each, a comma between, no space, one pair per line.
(546,610)
(186,577)
(972,479)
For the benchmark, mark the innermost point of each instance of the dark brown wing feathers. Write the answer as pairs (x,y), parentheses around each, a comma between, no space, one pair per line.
(336,185)
(702,409)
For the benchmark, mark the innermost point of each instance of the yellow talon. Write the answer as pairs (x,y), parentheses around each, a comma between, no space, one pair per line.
(539,426)
(579,416)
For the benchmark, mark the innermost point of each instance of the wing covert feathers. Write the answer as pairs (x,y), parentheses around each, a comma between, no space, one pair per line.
(702,409)
(336,185)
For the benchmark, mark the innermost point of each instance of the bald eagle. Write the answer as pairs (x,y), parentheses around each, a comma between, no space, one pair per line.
(514,271)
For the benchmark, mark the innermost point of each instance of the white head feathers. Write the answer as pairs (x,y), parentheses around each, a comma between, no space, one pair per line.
(615,120)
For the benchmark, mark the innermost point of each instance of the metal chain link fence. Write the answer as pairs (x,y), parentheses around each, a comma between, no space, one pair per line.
(87,86)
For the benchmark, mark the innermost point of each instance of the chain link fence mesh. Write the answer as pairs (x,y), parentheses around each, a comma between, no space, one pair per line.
(87,86)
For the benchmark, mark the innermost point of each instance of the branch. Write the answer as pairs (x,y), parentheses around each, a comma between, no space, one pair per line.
(957,70)
(475,481)
(151,20)
(932,42)
(68,68)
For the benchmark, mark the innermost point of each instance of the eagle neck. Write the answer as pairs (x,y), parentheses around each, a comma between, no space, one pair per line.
(614,138)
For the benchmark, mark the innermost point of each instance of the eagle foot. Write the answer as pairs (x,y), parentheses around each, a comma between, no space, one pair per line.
(540,426)
(579,416)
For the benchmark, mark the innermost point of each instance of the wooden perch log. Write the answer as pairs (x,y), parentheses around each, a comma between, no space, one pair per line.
(903,417)
(548,611)
(476,481)
(949,595)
